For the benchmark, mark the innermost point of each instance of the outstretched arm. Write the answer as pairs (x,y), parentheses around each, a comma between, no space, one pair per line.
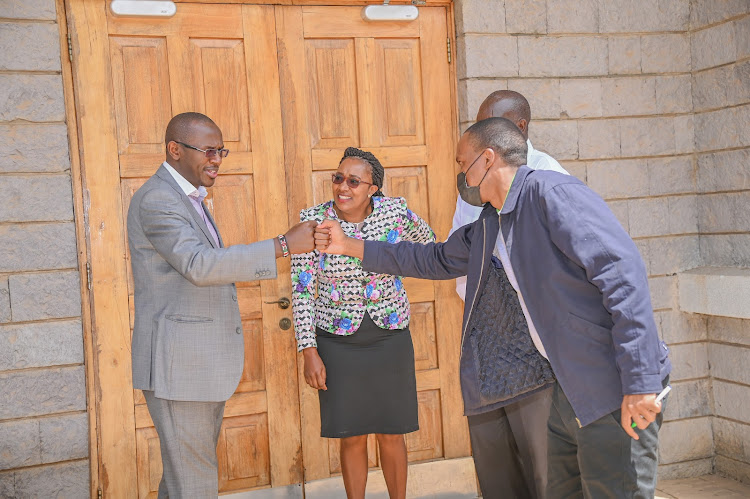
(426,261)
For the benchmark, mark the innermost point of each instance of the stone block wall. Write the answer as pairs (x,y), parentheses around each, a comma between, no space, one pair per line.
(44,430)
(720,48)
(614,88)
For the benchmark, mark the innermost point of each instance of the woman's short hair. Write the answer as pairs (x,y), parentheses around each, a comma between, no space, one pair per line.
(377,170)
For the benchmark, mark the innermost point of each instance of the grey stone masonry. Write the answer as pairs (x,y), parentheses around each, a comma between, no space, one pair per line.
(43,391)
(723,86)
(36,198)
(27,246)
(31,97)
(572,16)
(69,479)
(48,295)
(704,12)
(44,429)
(40,344)
(28,9)
(665,53)
(44,440)
(34,148)
(643,15)
(624,55)
(29,47)
(4,300)
(562,56)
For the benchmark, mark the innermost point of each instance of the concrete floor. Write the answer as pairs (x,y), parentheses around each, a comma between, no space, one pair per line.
(702,487)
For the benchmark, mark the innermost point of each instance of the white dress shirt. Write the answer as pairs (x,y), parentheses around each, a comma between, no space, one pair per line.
(502,253)
(196,197)
(466,213)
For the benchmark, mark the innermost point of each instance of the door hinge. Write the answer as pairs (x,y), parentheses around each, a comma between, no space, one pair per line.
(100,494)
(70,49)
(448,44)
(88,283)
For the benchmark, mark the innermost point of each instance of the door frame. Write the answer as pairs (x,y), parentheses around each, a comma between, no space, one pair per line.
(100,242)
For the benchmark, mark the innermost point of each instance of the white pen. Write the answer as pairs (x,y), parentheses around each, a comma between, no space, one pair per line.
(658,399)
(663,394)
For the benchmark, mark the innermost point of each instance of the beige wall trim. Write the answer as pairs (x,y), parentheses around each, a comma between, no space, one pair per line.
(723,291)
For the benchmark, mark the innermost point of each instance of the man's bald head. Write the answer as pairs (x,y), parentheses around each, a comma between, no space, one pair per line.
(509,105)
(181,127)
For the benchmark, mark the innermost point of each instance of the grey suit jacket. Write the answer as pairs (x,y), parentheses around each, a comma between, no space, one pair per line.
(187,336)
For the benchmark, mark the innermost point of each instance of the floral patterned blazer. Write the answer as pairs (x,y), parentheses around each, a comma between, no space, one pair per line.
(334,293)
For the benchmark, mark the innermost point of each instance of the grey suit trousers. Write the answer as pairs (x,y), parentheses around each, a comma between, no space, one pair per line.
(188,434)
(509,447)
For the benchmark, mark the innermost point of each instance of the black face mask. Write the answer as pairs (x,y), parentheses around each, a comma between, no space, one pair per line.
(471,194)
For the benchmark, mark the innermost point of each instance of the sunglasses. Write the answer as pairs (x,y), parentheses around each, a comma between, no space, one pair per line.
(338,178)
(210,153)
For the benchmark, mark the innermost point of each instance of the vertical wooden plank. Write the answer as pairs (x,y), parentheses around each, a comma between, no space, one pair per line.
(109,293)
(440,160)
(298,165)
(267,142)
(180,77)
(81,243)
(371,100)
(294,109)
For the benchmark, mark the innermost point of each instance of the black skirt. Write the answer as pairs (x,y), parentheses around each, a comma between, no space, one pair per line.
(371,383)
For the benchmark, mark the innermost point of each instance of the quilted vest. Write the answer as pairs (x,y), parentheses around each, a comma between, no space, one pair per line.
(508,364)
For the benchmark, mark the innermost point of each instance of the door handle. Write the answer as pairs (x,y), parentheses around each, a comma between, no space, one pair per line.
(282,302)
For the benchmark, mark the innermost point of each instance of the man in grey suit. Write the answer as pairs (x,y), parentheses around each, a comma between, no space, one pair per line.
(187,339)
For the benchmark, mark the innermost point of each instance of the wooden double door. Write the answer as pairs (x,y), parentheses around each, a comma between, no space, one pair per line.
(290,87)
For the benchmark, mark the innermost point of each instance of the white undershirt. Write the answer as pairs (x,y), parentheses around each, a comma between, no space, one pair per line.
(502,253)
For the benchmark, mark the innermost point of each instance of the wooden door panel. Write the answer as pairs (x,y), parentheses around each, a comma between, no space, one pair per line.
(141,121)
(332,94)
(149,462)
(393,99)
(396,90)
(427,442)
(232,204)
(422,326)
(254,375)
(243,452)
(219,60)
(220,88)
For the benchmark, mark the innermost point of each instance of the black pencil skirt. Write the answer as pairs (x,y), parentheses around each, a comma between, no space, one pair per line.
(371,383)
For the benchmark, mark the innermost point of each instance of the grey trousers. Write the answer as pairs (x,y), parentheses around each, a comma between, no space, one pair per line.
(188,434)
(509,447)
(600,460)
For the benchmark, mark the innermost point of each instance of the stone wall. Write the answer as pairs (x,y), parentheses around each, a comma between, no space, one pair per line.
(44,437)
(720,41)
(612,94)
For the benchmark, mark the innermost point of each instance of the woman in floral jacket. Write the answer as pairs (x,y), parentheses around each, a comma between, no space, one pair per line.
(353,327)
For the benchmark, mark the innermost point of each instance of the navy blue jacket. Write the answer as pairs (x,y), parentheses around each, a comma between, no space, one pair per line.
(581,276)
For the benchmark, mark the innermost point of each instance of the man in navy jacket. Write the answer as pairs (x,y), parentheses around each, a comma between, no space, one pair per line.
(585,293)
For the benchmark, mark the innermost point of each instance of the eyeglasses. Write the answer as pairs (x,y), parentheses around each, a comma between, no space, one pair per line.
(210,153)
(338,178)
